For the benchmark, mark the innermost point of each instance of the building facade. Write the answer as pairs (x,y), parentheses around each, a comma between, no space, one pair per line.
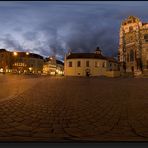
(90,64)
(133,46)
(49,67)
(20,62)
(53,66)
(60,67)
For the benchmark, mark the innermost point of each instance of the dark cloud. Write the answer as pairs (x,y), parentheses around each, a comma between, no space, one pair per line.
(51,28)
(9,42)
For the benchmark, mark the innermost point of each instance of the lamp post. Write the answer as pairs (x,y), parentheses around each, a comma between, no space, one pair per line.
(15,55)
(27,62)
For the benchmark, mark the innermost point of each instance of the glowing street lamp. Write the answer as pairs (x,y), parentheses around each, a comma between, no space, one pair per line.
(27,53)
(30,68)
(15,53)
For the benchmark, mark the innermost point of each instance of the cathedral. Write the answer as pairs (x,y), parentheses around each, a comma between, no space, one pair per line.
(133,46)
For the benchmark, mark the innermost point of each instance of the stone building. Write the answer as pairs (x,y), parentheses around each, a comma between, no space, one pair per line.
(93,64)
(53,66)
(49,66)
(5,61)
(133,46)
(60,67)
(20,62)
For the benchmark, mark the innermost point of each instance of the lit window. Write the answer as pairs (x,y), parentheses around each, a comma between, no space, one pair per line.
(70,64)
(87,63)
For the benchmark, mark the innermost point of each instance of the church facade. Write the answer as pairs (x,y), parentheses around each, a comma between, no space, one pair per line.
(133,46)
(90,64)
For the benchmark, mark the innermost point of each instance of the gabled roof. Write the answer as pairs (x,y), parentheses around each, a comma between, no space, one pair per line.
(85,56)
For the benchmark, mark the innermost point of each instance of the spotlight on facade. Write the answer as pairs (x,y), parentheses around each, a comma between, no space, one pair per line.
(15,53)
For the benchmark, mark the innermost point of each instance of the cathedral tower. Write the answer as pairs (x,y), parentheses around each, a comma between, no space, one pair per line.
(133,46)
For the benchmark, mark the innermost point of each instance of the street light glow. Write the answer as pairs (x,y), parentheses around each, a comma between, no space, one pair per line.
(30,68)
(15,53)
(27,53)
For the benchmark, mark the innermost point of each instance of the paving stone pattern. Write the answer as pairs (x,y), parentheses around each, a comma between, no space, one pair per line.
(60,109)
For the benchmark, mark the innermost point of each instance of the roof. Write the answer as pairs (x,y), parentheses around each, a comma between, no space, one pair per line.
(3,50)
(31,55)
(85,56)
(59,62)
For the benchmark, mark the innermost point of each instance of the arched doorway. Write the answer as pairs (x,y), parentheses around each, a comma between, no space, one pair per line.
(87,72)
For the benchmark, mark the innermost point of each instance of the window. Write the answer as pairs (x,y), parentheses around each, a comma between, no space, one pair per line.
(103,64)
(131,55)
(130,28)
(96,64)
(146,37)
(70,64)
(78,64)
(129,22)
(128,57)
(87,63)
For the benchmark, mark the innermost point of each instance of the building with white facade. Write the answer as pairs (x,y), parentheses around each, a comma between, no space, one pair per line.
(90,64)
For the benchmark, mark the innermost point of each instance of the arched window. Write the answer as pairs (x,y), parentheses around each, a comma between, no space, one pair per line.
(128,57)
(131,55)
(130,28)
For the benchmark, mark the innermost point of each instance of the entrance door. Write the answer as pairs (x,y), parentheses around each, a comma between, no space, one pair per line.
(87,71)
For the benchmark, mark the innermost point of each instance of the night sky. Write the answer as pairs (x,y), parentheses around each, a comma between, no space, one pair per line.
(51,28)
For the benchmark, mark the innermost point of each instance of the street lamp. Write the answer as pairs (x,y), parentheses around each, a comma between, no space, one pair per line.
(27,53)
(15,53)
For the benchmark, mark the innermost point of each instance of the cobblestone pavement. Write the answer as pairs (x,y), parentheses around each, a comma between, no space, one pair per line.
(73,109)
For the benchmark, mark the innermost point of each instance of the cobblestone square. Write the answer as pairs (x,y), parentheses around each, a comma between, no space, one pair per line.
(59,109)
